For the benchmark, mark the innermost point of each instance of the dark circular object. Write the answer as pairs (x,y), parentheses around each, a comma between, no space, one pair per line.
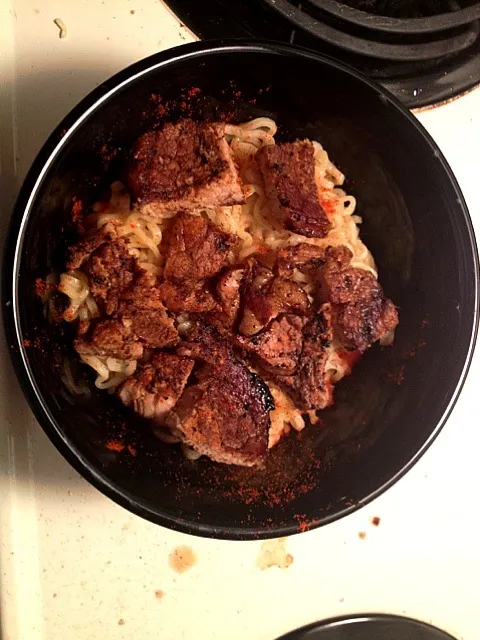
(415,83)
(416,224)
(409,51)
(432,24)
(368,627)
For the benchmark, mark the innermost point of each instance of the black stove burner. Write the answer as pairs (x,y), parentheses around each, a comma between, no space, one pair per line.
(422,59)
(368,627)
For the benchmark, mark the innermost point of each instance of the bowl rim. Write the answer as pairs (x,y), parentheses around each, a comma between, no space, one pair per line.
(11,261)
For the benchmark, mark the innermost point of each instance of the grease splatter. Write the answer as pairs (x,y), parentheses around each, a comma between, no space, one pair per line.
(182,559)
(274,554)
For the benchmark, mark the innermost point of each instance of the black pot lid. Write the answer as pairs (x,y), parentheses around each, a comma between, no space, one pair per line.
(368,627)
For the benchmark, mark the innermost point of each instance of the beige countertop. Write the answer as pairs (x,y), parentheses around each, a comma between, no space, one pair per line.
(75,565)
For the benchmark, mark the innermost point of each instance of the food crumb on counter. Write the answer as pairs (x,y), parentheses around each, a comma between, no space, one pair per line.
(376,521)
(182,558)
(159,594)
(362,535)
(121,622)
(62,33)
(274,554)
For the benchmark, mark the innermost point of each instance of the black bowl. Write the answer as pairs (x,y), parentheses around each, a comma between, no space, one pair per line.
(415,222)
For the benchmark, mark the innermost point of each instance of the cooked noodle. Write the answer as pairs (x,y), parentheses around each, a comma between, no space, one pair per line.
(259,232)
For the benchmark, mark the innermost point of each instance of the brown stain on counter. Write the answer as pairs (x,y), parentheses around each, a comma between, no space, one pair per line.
(274,554)
(182,559)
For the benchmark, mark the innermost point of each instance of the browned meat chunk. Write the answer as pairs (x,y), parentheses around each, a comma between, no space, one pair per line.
(187,166)
(277,348)
(110,270)
(300,256)
(359,325)
(153,327)
(228,292)
(126,336)
(156,386)
(309,258)
(350,285)
(113,338)
(188,297)
(288,172)
(308,386)
(79,252)
(361,313)
(338,257)
(204,343)
(197,249)
(143,293)
(266,296)
(226,415)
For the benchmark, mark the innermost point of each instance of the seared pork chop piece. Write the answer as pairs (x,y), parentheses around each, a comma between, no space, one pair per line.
(125,335)
(226,415)
(155,328)
(288,172)
(143,293)
(266,296)
(361,324)
(110,270)
(184,166)
(187,297)
(156,386)
(197,249)
(350,285)
(301,256)
(228,292)
(204,342)
(80,251)
(361,312)
(113,338)
(307,386)
(277,348)
(309,258)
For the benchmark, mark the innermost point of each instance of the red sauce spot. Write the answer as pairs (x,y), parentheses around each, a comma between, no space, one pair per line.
(77,214)
(376,521)
(362,535)
(396,377)
(42,288)
(115,445)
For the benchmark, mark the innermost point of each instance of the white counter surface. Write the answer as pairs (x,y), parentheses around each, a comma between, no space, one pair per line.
(75,565)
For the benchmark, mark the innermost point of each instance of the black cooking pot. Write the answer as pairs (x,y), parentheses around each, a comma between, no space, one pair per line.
(414,221)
